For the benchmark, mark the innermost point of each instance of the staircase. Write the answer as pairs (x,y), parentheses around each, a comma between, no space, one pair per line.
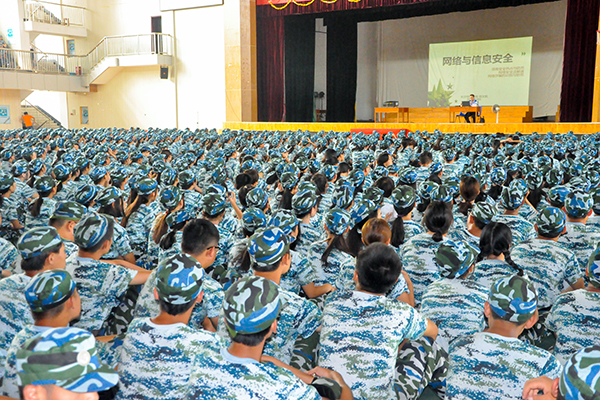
(43,120)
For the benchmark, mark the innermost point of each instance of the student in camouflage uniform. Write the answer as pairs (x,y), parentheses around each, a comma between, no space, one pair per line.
(171,199)
(213,209)
(580,238)
(404,199)
(495,364)
(353,321)
(270,258)
(41,209)
(170,243)
(41,249)
(191,193)
(138,220)
(304,204)
(111,205)
(455,303)
(157,354)
(101,285)
(199,240)
(66,215)
(579,380)
(54,303)
(481,214)
(8,258)
(11,225)
(512,198)
(237,371)
(62,363)
(575,317)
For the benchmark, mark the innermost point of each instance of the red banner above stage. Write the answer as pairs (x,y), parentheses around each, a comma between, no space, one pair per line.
(282,2)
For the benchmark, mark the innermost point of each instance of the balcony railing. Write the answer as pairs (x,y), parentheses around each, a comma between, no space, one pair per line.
(65,64)
(53,13)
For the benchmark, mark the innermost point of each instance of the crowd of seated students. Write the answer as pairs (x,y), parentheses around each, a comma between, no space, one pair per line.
(178,264)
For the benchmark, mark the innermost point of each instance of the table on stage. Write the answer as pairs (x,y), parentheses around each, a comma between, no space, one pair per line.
(460,109)
(401,112)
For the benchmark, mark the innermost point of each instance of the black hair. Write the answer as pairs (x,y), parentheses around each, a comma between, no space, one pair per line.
(175,309)
(398,232)
(438,218)
(337,242)
(250,339)
(136,201)
(535,196)
(343,168)
(354,239)
(199,235)
(243,193)
(382,159)
(268,268)
(242,180)
(435,178)
(378,268)
(386,184)
(115,209)
(168,239)
(107,236)
(285,203)
(36,206)
(495,240)
(37,263)
(469,189)
(425,158)
(48,314)
(495,191)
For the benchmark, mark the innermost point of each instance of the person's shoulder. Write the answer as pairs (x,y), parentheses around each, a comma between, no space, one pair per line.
(15,281)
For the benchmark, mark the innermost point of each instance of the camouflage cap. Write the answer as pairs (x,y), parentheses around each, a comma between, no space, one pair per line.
(170,197)
(86,194)
(362,210)
(304,201)
(254,219)
(214,203)
(6,181)
(425,189)
(593,272)
(442,193)
(97,173)
(90,230)
(68,210)
(404,197)
(179,279)
(257,198)
(38,241)
(288,180)
(44,184)
(186,178)
(251,305)
(49,289)
(435,168)
(554,176)
(267,247)
(65,357)
(512,197)
(373,194)
(551,222)
(107,196)
(284,220)
(337,221)
(578,203)
(513,298)
(146,186)
(343,197)
(596,200)
(454,258)
(558,195)
(356,177)
(580,379)
(407,175)
(177,217)
(484,212)
(498,176)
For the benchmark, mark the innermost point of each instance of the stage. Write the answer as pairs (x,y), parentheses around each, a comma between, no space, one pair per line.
(508,128)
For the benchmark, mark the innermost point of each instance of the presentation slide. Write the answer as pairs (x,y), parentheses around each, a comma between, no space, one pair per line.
(495,71)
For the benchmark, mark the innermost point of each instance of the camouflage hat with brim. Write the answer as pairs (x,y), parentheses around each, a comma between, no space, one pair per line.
(214,203)
(442,193)
(356,177)
(251,305)
(435,168)
(578,204)
(267,247)
(558,195)
(338,221)
(90,230)
(288,180)
(513,298)
(254,219)
(593,272)
(484,212)
(554,176)
(146,186)
(404,197)
(177,217)
(107,196)
(86,194)
(343,197)
(580,379)
(361,211)
(407,175)
(38,241)
(512,197)
(425,189)
(454,258)
(186,178)
(284,220)
(304,201)
(97,173)
(44,184)
(68,210)
(257,198)
(551,222)
(6,181)
(65,357)
(49,289)
(498,176)
(179,279)
(596,201)
(170,197)
(373,194)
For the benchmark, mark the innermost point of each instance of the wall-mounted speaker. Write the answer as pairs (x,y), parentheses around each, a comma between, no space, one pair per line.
(164,72)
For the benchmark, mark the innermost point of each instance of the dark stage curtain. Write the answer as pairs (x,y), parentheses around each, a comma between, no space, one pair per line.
(579,61)
(299,68)
(341,68)
(270,82)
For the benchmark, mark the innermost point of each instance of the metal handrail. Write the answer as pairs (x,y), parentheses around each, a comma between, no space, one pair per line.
(43,112)
(67,64)
(53,13)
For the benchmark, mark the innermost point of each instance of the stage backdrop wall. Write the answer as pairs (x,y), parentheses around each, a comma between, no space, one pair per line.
(402,51)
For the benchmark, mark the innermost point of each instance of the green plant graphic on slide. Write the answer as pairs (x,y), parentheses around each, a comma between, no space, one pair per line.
(439,97)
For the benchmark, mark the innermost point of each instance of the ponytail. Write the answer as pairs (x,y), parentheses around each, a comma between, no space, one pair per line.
(36,206)
(398,233)
(338,242)
(438,219)
(286,200)
(508,259)
(139,200)
(168,240)
(160,227)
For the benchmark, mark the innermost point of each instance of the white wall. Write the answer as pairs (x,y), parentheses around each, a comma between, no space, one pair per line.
(403,48)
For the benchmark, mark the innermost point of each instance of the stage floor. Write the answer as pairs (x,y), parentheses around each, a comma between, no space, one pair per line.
(509,128)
